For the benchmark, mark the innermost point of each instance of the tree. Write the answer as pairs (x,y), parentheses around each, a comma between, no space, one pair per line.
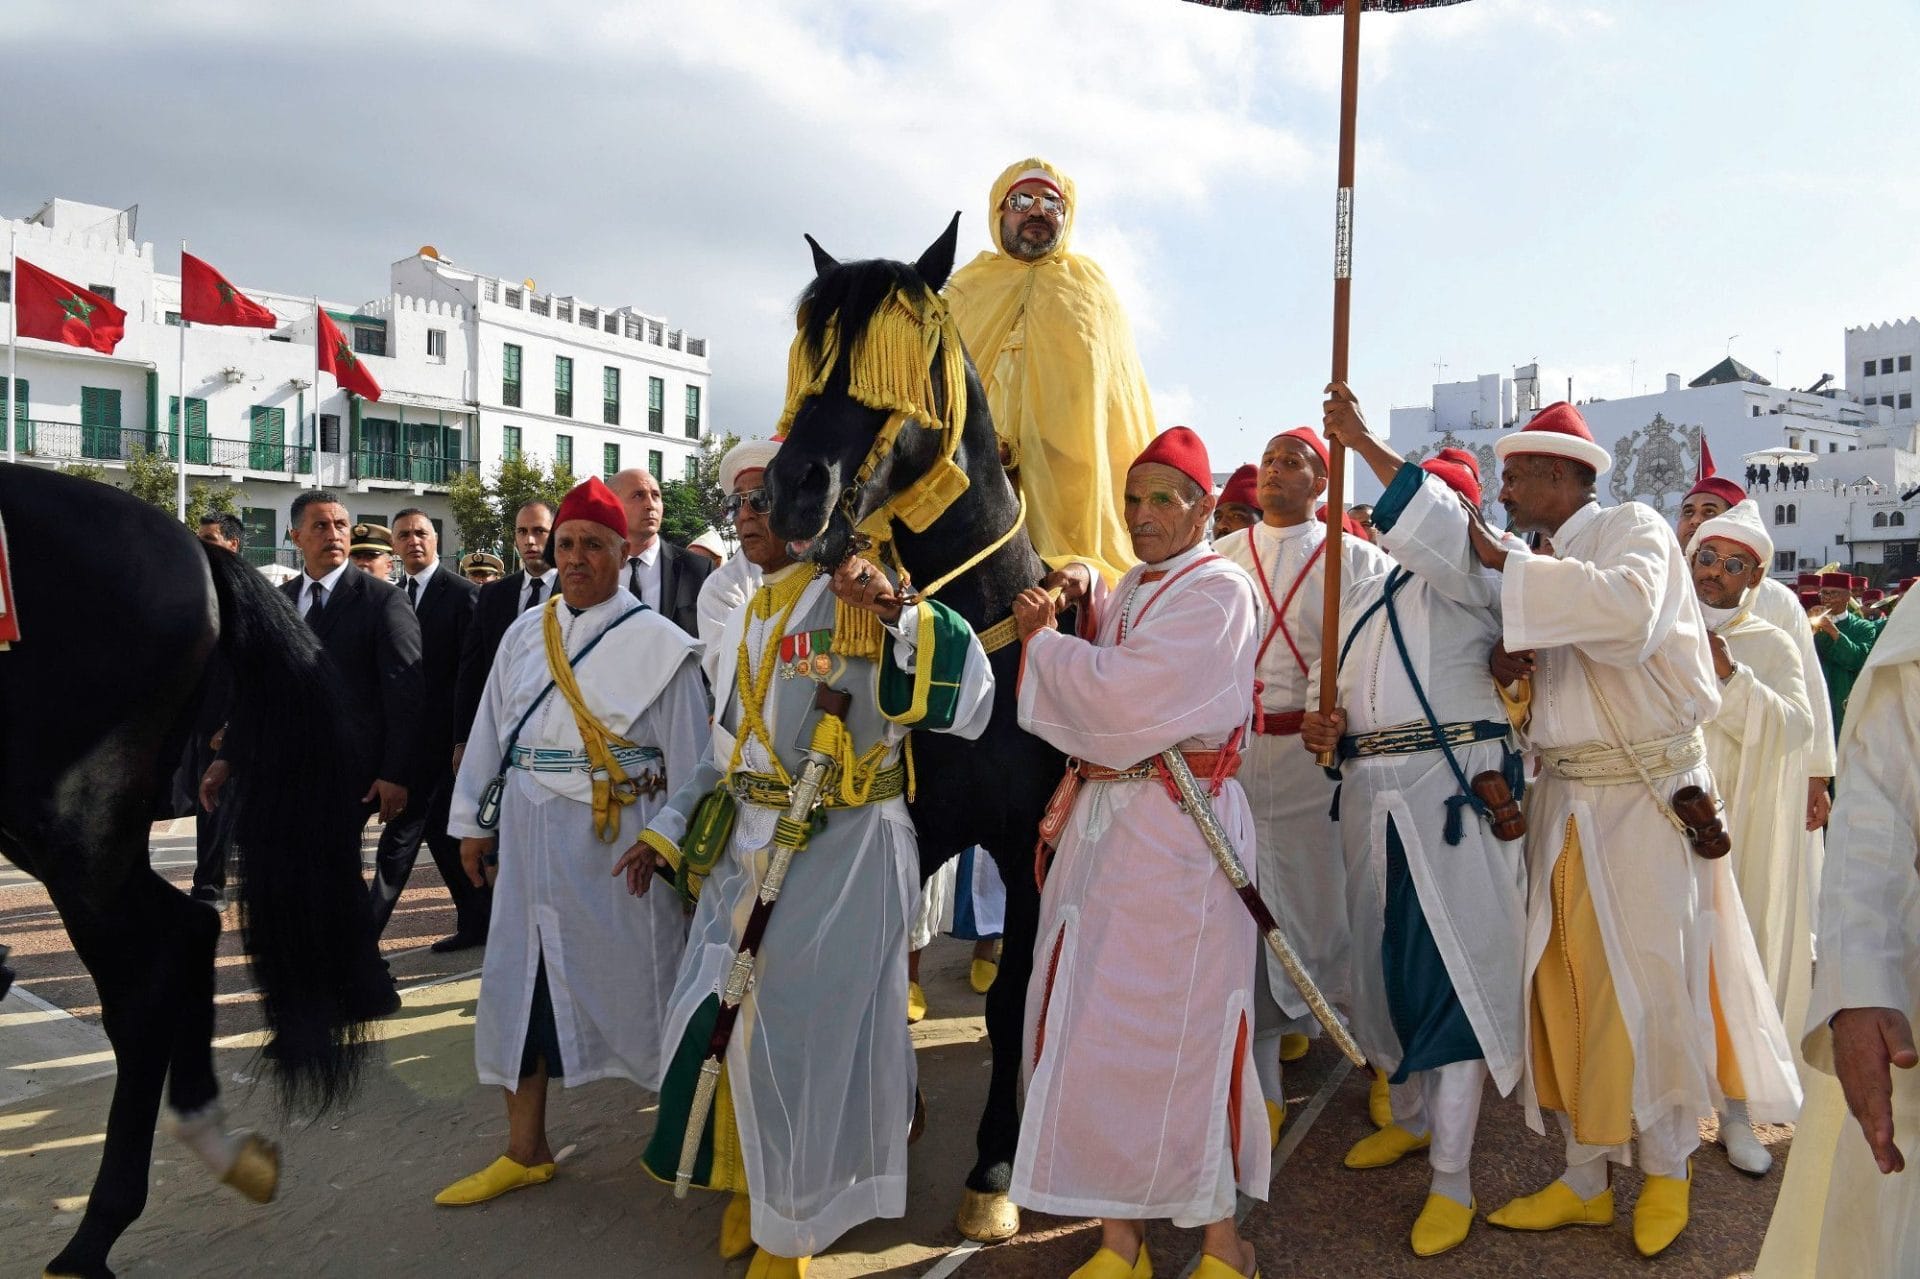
(204,499)
(483,509)
(693,504)
(152,479)
(85,471)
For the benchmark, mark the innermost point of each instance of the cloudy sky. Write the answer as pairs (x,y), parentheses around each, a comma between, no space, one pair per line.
(1613,189)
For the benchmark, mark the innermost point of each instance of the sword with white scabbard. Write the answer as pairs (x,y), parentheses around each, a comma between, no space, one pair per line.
(1194,802)
(790,835)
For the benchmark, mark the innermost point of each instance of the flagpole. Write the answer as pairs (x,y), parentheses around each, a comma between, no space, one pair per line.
(180,409)
(13,338)
(1342,303)
(316,390)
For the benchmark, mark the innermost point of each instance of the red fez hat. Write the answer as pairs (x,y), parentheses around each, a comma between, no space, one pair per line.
(1857,583)
(594,501)
(1181,449)
(1311,438)
(1836,581)
(1872,595)
(1458,470)
(1242,487)
(1807,579)
(1809,597)
(1721,487)
(1556,431)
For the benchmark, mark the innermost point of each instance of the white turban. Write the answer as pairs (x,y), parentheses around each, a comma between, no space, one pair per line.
(1740,523)
(747,455)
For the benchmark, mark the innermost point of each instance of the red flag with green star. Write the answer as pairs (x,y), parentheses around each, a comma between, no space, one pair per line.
(337,358)
(207,298)
(54,310)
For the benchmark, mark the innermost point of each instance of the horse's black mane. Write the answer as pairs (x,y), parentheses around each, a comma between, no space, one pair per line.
(852,292)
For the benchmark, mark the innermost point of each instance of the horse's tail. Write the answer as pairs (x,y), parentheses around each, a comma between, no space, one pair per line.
(304,916)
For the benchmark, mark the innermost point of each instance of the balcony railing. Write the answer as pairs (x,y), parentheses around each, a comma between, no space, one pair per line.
(72,442)
(410,468)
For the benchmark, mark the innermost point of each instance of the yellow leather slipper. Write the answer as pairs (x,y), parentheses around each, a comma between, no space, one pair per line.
(1554,1207)
(1441,1226)
(1293,1047)
(496,1179)
(916,1003)
(1661,1213)
(1385,1148)
(980,975)
(1108,1264)
(1276,1115)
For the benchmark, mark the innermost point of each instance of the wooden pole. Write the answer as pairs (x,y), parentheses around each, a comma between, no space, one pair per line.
(1342,304)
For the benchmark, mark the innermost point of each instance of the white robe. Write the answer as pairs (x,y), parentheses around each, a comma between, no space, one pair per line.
(1139,1029)
(1618,590)
(1774,602)
(1757,747)
(1837,1217)
(1474,893)
(820,1065)
(726,589)
(945,902)
(1303,871)
(610,957)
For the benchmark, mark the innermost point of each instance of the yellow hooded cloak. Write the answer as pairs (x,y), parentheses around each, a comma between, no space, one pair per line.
(1055,352)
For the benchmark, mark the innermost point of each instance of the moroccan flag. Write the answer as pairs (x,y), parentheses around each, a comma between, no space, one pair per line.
(207,298)
(337,358)
(1706,459)
(49,308)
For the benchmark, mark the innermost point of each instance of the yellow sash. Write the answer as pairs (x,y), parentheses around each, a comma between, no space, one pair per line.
(612,789)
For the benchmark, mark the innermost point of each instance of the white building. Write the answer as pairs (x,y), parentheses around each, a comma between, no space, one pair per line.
(471,368)
(1880,366)
(1849,510)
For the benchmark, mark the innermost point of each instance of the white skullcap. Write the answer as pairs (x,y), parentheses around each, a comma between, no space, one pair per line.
(1740,524)
(747,455)
(710,541)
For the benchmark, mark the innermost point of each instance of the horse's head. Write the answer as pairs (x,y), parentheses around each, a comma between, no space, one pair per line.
(873,344)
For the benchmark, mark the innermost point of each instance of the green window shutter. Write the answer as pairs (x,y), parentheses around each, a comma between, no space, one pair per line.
(258,522)
(563,453)
(609,460)
(563,386)
(610,396)
(199,447)
(19,419)
(693,412)
(100,422)
(655,463)
(510,375)
(267,439)
(656,405)
(509,443)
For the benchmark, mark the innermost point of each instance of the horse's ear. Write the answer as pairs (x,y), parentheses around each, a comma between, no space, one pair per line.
(823,261)
(936,264)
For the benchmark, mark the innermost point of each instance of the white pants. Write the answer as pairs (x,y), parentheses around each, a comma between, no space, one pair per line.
(1445,1101)
(1665,1145)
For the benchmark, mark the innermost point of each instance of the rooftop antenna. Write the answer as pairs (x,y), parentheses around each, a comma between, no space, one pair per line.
(1730,345)
(1439,367)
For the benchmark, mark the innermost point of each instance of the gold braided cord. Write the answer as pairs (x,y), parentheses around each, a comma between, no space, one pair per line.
(751,683)
(611,792)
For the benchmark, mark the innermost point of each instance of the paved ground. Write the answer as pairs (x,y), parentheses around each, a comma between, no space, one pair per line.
(357,1187)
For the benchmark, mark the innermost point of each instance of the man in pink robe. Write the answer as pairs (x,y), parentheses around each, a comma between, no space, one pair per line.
(1142,1100)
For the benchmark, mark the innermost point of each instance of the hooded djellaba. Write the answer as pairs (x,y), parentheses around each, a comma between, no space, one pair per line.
(1055,353)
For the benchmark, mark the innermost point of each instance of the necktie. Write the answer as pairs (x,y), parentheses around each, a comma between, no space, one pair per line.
(413,591)
(316,600)
(633,579)
(533,593)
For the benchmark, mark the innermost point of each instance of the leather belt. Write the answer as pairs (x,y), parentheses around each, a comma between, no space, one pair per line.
(547,759)
(1281,724)
(1602,765)
(1203,764)
(1418,737)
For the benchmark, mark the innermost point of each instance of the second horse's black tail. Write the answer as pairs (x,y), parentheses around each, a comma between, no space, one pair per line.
(304,915)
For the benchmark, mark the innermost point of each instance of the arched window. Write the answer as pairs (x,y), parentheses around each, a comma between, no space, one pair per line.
(1779,515)
(1880,519)
(1793,513)
(1898,519)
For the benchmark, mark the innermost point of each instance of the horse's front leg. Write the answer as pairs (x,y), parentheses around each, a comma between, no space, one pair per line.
(986,1214)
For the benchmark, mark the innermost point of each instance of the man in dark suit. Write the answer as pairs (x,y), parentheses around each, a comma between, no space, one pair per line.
(499,603)
(374,640)
(665,577)
(442,603)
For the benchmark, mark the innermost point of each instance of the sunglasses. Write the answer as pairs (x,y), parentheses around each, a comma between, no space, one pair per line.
(1021,201)
(1707,557)
(759,501)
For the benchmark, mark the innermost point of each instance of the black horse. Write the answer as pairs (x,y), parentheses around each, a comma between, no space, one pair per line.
(989,792)
(121,612)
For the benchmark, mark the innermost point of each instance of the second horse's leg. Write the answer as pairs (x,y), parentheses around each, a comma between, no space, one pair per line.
(985,1212)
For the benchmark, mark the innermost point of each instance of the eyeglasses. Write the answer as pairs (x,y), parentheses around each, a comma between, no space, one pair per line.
(759,501)
(1707,557)
(1021,201)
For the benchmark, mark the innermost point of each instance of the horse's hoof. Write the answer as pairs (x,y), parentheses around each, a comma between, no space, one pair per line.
(256,1169)
(987,1218)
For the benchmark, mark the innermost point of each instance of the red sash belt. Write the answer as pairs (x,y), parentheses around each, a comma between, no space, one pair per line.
(1281,724)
